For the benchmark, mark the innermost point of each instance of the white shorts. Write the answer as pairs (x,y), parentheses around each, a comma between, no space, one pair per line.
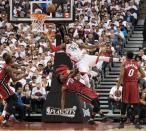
(89,61)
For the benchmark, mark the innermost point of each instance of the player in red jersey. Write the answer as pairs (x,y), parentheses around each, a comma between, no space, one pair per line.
(70,84)
(8,72)
(129,75)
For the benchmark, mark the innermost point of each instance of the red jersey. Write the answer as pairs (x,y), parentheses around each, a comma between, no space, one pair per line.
(5,91)
(130,70)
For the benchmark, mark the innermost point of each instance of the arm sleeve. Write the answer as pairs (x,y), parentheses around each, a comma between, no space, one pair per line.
(54,48)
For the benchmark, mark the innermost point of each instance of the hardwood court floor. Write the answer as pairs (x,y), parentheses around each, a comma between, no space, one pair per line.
(39,126)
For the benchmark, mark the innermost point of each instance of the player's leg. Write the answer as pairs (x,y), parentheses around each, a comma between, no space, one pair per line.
(83,67)
(91,96)
(86,78)
(134,98)
(136,113)
(125,100)
(123,114)
(10,108)
(12,117)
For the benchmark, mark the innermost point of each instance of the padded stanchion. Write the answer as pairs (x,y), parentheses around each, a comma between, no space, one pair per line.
(75,111)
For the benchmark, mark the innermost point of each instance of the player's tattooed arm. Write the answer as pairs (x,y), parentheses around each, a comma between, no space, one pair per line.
(121,76)
(15,77)
(18,71)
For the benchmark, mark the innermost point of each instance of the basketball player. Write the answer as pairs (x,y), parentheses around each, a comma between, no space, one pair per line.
(66,77)
(7,73)
(129,75)
(82,60)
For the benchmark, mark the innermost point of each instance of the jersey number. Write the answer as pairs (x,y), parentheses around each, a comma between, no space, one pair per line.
(131,72)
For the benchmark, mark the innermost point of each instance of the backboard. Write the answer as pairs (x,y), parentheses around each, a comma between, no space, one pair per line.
(21,10)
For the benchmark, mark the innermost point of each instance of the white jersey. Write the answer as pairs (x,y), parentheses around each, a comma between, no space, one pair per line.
(74,51)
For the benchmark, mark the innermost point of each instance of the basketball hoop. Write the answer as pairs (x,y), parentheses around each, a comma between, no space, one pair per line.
(38,22)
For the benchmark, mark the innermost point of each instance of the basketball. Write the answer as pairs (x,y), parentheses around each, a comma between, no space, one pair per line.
(51,8)
(118,93)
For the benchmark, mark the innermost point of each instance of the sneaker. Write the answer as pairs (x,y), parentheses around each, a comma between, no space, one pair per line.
(121,125)
(138,126)
(5,123)
(91,121)
(14,120)
(110,113)
(1,119)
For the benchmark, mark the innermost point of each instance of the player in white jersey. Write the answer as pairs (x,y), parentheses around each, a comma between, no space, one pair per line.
(82,60)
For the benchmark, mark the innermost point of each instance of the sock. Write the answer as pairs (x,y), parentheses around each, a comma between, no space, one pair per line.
(3,113)
(86,79)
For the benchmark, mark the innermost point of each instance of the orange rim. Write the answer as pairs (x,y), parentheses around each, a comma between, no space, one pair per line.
(39,16)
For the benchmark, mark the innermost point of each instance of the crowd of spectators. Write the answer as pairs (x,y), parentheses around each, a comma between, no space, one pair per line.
(104,21)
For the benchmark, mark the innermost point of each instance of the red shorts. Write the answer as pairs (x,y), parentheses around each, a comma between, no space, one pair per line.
(130,92)
(5,91)
(80,89)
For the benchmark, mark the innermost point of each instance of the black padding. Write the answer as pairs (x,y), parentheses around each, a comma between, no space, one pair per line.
(76,110)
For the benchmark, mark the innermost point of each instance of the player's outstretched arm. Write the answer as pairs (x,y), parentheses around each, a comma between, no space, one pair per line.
(56,48)
(120,77)
(88,46)
(15,77)
(19,71)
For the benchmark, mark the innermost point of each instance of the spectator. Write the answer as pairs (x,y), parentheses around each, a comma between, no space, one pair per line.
(141,53)
(141,81)
(143,105)
(114,99)
(44,82)
(20,106)
(38,97)
(33,82)
(48,68)
(26,94)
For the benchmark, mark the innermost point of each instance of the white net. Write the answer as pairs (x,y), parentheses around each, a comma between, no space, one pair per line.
(38,25)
